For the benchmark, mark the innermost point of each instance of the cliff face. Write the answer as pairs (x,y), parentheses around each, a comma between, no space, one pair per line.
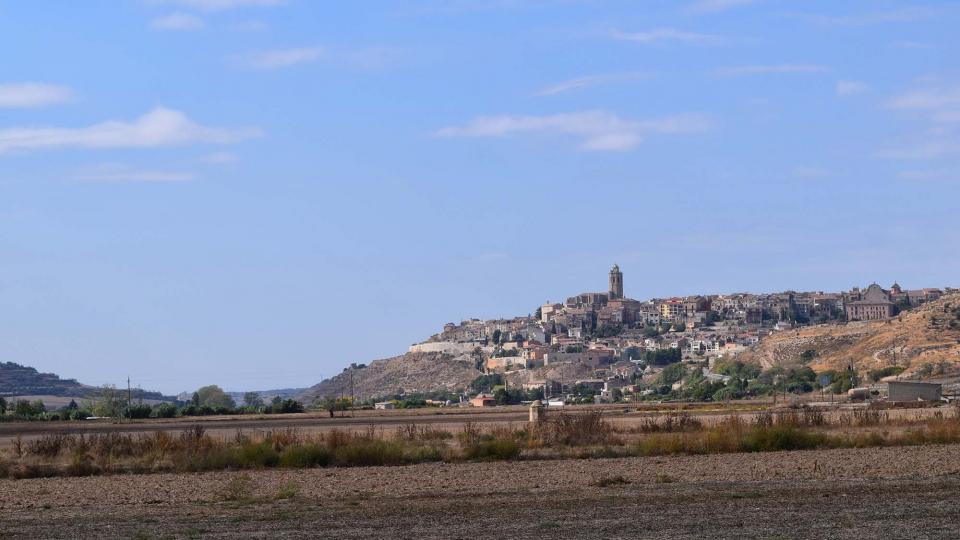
(929,334)
(408,373)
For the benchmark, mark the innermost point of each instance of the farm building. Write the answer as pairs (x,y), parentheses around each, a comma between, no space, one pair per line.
(913,391)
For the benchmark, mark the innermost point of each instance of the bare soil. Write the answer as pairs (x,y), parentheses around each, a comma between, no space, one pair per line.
(906,492)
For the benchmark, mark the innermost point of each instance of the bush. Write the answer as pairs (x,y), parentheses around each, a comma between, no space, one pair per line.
(258,455)
(492,449)
(309,455)
(164,410)
(369,452)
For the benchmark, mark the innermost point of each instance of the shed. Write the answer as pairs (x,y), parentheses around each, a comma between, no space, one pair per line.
(913,391)
(384,405)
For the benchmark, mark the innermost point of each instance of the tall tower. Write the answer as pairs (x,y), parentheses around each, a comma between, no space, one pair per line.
(616,283)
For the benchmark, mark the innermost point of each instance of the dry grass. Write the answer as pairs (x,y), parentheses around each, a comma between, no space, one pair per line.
(558,436)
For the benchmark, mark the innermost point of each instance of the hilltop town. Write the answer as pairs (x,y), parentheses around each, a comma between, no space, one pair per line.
(603,346)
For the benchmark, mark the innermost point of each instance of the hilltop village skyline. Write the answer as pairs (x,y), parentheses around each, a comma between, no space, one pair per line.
(605,331)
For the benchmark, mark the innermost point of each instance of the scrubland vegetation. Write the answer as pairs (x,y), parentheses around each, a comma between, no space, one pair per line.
(559,436)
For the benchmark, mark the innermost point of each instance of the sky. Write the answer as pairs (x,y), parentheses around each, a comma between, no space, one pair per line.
(256,193)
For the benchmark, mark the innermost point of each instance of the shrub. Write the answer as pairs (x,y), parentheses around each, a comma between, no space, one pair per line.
(607,481)
(365,452)
(238,489)
(494,449)
(309,455)
(574,430)
(258,455)
(780,438)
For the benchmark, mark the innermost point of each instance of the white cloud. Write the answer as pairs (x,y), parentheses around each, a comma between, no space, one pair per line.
(159,127)
(597,130)
(907,14)
(939,104)
(666,34)
(177,21)
(220,158)
(281,58)
(32,94)
(121,173)
(921,175)
(583,82)
(714,6)
(849,88)
(220,5)
(778,68)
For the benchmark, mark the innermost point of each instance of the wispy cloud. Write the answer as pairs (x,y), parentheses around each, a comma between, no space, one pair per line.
(32,94)
(220,5)
(937,105)
(907,44)
(924,175)
(177,21)
(122,173)
(590,80)
(929,146)
(159,127)
(280,58)
(940,104)
(713,6)
(219,158)
(597,130)
(666,34)
(907,14)
(850,88)
(764,69)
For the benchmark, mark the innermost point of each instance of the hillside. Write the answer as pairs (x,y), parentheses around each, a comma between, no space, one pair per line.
(17,380)
(408,373)
(929,334)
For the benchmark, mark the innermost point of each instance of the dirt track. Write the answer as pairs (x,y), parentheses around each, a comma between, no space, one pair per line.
(878,492)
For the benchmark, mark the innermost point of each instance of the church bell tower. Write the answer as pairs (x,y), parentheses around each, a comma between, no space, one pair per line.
(616,283)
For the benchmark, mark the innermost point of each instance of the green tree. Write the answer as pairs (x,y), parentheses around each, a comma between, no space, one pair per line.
(496,336)
(3,406)
(214,396)
(252,399)
(671,374)
(109,402)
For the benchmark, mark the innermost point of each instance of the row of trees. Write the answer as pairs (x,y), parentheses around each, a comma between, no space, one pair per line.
(113,403)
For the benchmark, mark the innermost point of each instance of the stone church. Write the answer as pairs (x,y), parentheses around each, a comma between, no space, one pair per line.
(874,304)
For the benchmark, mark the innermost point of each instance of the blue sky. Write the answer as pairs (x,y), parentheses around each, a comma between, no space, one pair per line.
(255,193)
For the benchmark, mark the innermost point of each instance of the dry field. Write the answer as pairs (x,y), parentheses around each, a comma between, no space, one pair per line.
(448,419)
(907,492)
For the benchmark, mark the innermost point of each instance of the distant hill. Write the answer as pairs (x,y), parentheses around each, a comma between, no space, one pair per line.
(266,395)
(408,373)
(18,380)
(928,335)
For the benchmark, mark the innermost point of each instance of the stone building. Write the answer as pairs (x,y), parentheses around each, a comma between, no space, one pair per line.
(874,304)
(616,283)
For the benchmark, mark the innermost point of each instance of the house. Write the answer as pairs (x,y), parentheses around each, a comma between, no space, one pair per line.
(483,400)
(385,406)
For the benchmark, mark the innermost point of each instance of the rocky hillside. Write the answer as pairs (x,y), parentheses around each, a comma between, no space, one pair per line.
(409,373)
(917,340)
